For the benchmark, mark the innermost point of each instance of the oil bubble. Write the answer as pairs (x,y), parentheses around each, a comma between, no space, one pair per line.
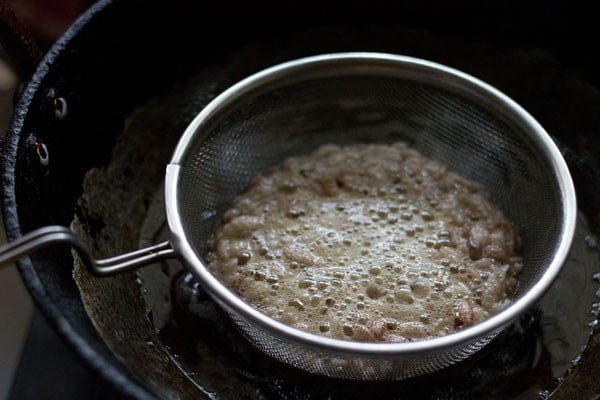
(404,296)
(426,216)
(306,283)
(297,304)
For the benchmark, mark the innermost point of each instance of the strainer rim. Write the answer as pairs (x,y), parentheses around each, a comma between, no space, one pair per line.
(231,302)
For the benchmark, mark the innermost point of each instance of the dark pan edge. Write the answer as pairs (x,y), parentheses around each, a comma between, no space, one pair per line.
(124,383)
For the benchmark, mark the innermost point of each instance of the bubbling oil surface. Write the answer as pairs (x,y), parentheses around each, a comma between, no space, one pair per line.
(367,243)
(528,361)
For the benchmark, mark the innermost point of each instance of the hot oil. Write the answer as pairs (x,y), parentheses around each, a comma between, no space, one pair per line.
(528,361)
(380,255)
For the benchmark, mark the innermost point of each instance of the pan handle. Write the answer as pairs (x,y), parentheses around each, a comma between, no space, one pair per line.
(52,235)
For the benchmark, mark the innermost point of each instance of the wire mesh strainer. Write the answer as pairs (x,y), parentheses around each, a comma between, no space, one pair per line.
(346,98)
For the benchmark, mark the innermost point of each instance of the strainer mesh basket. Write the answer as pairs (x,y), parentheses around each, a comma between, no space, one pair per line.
(446,115)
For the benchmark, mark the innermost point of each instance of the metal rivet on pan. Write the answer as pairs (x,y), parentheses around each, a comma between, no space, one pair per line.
(60,107)
(42,152)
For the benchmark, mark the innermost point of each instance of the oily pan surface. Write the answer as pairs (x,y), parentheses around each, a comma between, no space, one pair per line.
(117,197)
(373,243)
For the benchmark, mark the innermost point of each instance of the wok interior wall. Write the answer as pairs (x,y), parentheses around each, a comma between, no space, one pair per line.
(130,51)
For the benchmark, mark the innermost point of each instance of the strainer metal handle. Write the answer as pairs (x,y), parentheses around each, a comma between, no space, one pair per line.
(51,235)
